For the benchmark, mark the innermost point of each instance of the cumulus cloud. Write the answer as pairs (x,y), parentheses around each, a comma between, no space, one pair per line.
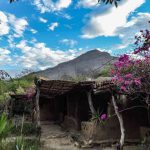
(42,20)
(9,22)
(106,23)
(5,57)
(52,26)
(87,3)
(69,42)
(38,56)
(51,5)
(18,25)
(131,28)
(4,28)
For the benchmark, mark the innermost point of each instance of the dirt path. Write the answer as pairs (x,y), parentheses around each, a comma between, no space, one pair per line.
(54,138)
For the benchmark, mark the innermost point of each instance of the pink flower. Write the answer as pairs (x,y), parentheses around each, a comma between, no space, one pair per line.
(119,64)
(123,88)
(129,75)
(112,71)
(124,58)
(136,51)
(127,82)
(103,117)
(137,82)
(120,80)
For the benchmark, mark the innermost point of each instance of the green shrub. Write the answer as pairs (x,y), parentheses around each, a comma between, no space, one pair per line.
(21,143)
(28,129)
(5,126)
(105,72)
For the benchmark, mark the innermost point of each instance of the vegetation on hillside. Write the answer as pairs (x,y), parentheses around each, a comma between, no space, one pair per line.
(15,86)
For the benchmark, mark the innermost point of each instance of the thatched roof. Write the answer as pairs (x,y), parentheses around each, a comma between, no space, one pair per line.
(53,88)
(103,84)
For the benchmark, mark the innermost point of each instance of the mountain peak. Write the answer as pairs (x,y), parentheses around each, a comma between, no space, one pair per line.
(93,54)
(83,65)
(95,51)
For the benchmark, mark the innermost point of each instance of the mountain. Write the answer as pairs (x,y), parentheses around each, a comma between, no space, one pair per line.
(86,64)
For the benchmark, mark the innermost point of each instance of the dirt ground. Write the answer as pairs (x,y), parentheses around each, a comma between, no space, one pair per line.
(54,138)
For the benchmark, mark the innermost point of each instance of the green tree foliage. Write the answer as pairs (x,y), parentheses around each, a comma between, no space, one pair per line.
(113,2)
(105,71)
(15,86)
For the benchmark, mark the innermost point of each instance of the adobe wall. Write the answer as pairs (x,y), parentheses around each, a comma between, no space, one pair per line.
(110,129)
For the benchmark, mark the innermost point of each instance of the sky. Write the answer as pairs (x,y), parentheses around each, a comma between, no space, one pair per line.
(39,34)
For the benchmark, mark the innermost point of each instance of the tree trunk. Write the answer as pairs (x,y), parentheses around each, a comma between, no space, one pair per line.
(148,108)
(122,138)
(37,107)
(148,111)
(93,111)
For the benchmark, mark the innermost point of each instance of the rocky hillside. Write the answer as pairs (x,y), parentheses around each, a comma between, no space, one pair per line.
(85,65)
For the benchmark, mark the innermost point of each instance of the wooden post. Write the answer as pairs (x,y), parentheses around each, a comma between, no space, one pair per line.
(89,96)
(67,99)
(122,138)
(37,105)
(77,114)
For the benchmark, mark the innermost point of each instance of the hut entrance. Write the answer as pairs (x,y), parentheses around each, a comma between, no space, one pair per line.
(53,109)
(47,109)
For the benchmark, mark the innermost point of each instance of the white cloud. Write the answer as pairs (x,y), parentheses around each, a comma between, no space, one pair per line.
(60,4)
(11,41)
(42,20)
(64,15)
(106,23)
(38,56)
(18,25)
(69,42)
(51,6)
(4,28)
(9,22)
(87,3)
(131,28)
(5,57)
(33,31)
(105,50)
(52,26)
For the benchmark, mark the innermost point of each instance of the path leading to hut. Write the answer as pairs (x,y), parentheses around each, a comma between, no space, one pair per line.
(53,137)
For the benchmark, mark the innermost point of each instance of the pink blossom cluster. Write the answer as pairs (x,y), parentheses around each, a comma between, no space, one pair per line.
(103,117)
(134,74)
(124,73)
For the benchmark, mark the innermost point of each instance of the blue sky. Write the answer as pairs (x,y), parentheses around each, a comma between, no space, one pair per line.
(39,34)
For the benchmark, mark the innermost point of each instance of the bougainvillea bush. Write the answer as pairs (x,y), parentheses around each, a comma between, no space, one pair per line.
(132,74)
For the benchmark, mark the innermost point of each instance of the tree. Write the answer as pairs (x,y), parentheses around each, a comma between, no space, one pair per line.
(11,1)
(132,76)
(112,2)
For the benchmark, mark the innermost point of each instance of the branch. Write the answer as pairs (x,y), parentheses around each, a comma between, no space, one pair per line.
(129,109)
(122,138)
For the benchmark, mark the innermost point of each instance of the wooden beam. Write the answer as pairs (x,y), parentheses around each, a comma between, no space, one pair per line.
(37,106)
(89,97)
